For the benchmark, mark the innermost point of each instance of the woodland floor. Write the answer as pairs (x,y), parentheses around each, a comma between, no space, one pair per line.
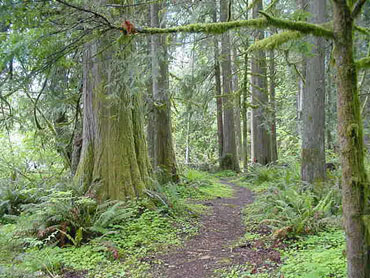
(211,248)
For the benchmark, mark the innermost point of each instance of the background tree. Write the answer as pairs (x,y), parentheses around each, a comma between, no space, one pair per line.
(163,152)
(261,138)
(313,101)
(229,157)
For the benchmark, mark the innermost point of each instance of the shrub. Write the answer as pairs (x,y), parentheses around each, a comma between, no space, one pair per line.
(287,206)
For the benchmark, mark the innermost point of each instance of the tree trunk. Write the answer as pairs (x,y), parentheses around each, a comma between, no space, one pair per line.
(114,162)
(220,132)
(150,127)
(164,155)
(355,185)
(229,157)
(245,112)
(274,153)
(302,5)
(235,89)
(261,139)
(313,114)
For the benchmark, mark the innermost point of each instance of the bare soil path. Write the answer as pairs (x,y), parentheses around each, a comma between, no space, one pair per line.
(211,248)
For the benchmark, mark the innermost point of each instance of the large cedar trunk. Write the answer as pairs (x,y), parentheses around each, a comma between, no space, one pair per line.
(164,161)
(313,114)
(261,139)
(355,186)
(114,162)
(229,157)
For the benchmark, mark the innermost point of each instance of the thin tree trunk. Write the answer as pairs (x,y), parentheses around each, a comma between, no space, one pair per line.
(274,153)
(313,114)
(302,5)
(150,127)
(187,150)
(355,185)
(261,139)
(217,68)
(235,87)
(245,111)
(164,154)
(229,157)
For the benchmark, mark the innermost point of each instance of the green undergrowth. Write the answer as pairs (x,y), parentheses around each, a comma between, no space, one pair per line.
(289,207)
(66,231)
(303,225)
(309,256)
(321,255)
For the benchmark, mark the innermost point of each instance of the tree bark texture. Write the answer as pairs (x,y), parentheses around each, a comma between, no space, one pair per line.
(164,161)
(355,185)
(313,113)
(261,138)
(229,157)
(114,162)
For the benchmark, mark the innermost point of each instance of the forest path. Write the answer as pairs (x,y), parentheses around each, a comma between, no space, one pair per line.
(211,248)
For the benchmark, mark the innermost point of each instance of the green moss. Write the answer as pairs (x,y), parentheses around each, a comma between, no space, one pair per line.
(275,40)
(301,26)
(209,28)
(363,63)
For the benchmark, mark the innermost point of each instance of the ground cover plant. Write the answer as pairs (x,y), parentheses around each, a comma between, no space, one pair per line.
(65,232)
(184,138)
(305,226)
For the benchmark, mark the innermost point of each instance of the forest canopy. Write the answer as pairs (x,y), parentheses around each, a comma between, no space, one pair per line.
(117,117)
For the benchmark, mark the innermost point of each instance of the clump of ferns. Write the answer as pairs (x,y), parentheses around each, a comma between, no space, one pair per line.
(67,219)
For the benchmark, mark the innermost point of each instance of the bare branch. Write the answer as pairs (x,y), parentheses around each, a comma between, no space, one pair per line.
(105,20)
(357,8)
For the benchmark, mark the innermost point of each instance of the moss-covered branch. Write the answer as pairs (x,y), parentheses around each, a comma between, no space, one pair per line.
(275,40)
(363,63)
(259,23)
(210,28)
(362,30)
(300,26)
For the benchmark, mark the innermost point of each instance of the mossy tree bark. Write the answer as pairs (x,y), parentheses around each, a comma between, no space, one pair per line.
(229,158)
(355,185)
(114,162)
(164,161)
(313,112)
(261,139)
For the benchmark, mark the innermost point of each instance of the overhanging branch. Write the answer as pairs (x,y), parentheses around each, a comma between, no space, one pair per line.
(301,26)
(259,23)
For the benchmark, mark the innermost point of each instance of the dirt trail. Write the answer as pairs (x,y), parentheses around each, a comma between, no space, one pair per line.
(211,248)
